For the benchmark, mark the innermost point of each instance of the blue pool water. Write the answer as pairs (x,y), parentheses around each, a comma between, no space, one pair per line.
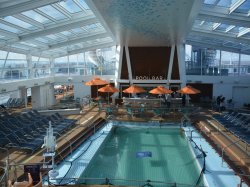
(105,163)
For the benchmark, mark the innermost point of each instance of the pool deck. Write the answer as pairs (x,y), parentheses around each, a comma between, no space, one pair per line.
(237,158)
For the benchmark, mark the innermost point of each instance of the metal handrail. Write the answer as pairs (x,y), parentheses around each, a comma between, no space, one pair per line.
(224,148)
(108,180)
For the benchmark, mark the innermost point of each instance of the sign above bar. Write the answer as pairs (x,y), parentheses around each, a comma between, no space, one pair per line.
(149,77)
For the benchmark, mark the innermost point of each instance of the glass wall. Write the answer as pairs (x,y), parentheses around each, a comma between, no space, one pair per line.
(212,62)
(13,66)
(40,66)
(95,62)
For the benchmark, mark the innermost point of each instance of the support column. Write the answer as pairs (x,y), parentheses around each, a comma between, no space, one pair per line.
(30,66)
(170,67)
(181,61)
(118,64)
(2,72)
(23,94)
(129,65)
(52,67)
(42,96)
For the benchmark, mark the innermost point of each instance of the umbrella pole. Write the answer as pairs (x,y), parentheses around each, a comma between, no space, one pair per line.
(108,98)
(96,91)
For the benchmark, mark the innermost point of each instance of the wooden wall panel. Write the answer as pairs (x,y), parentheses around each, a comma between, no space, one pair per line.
(206,91)
(149,61)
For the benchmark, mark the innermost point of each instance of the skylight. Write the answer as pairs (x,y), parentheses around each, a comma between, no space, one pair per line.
(8,28)
(19,22)
(52,12)
(70,6)
(37,17)
(82,2)
(244,8)
(226,3)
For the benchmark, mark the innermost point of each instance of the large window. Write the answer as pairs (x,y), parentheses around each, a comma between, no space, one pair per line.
(95,62)
(40,66)
(13,66)
(212,62)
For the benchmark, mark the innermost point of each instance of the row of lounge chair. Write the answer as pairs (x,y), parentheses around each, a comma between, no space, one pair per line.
(14,103)
(236,123)
(27,131)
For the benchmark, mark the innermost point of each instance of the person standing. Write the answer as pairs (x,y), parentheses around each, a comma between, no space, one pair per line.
(183,99)
(168,100)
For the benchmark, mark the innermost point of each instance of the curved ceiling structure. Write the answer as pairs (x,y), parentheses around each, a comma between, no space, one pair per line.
(55,28)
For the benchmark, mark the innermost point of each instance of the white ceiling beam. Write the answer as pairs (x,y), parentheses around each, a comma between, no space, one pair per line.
(29,20)
(7,3)
(59,28)
(62,10)
(78,40)
(21,7)
(216,25)
(230,28)
(218,35)
(214,46)
(13,25)
(22,51)
(38,43)
(79,5)
(45,15)
(98,15)
(92,47)
(243,32)
(220,15)
(202,22)
(236,5)
(8,34)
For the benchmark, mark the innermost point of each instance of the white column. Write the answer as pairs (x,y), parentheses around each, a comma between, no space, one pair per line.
(30,66)
(42,96)
(128,65)
(52,67)
(118,65)
(23,94)
(181,63)
(170,66)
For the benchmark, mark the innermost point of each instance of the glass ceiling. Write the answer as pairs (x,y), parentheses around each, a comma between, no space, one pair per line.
(227,22)
(51,30)
(69,26)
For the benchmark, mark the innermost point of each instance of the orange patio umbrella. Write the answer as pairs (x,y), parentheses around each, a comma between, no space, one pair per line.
(134,89)
(160,90)
(96,81)
(108,89)
(189,90)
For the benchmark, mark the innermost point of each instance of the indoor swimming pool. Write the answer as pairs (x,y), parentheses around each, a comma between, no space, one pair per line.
(144,154)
